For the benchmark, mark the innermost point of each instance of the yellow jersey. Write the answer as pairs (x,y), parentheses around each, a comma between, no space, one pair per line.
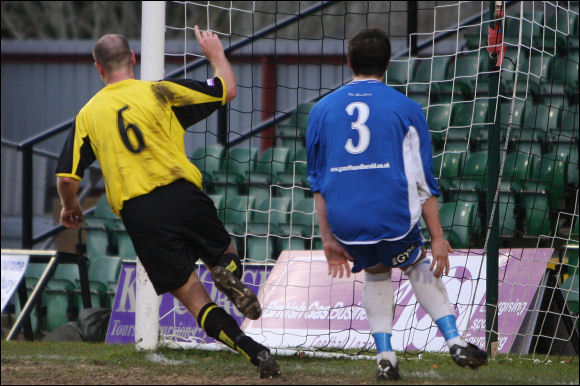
(136,129)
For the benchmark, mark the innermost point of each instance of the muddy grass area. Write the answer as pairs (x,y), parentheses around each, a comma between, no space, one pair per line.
(98,364)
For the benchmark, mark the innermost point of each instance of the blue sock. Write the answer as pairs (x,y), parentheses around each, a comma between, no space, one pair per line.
(448,327)
(382,341)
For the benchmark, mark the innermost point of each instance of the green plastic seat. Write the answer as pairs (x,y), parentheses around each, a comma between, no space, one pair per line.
(468,69)
(98,228)
(303,220)
(219,203)
(459,223)
(260,249)
(208,160)
(517,169)
(273,211)
(438,120)
(125,247)
(272,161)
(549,178)
(507,213)
(399,72)
(103,278)
(472,182)
(296,172)
(447,167)
(536,214)
(236,211)
(300,118)
(231,179)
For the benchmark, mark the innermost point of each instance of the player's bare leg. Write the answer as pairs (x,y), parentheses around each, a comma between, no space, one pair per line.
(219,325)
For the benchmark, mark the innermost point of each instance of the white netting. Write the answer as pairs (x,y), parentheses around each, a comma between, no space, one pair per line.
(263,197)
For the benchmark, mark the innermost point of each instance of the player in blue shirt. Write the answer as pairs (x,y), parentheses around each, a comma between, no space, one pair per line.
(371,170)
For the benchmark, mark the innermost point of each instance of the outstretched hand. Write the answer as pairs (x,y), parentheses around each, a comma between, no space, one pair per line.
(337,258)
(210,44)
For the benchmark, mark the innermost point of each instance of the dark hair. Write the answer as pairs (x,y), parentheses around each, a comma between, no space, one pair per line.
(369,52)
(112,52)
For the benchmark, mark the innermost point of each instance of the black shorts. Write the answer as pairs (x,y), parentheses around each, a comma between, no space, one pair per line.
(171,227)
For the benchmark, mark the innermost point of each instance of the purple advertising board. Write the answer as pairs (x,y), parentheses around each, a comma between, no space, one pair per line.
(175,321)
(304,307)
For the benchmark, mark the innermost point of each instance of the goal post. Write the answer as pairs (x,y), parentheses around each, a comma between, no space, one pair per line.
(152,68)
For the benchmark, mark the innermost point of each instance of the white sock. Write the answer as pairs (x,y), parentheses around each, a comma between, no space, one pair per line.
(429,290)
(432,295)
(388,355)
(456,341)
(378,302)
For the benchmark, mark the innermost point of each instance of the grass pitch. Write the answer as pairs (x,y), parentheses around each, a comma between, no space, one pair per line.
(90,363)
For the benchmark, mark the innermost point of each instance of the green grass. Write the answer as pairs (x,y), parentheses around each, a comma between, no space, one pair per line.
(87,363)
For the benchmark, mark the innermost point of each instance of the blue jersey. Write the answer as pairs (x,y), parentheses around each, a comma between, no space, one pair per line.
(369,155)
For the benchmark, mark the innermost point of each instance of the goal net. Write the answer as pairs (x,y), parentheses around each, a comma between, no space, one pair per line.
(499,89)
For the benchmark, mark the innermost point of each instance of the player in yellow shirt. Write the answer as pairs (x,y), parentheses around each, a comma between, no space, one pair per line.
(135,129)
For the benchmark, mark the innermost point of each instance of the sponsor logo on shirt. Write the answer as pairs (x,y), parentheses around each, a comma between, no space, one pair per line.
(210,82)
(374,165)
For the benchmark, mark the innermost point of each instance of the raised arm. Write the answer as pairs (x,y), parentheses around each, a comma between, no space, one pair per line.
(212,48)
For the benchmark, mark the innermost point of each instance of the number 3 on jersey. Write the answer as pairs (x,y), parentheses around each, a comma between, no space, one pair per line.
(364,135)
(125,130)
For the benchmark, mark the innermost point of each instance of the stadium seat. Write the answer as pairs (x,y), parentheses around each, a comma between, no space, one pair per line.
(236,211)
(103,278)
(398,74)
(459,222)
(447,167)
(272,161)
(517,169)
(297,123)
(37,316)
(549,178)
(296,171)
(507,215)
(466,72)
(220,204)
(537,214)
(471,184)
(260,248)
(555,34)
(562,74)
(293,192)
(236,218)
(302,113)
(271,211)
(573,177)
(98,228)
(59,291)
(125,247)
(231,180)
(208,160)
(430,78)
(438,120)
(303,220)
(531,26)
